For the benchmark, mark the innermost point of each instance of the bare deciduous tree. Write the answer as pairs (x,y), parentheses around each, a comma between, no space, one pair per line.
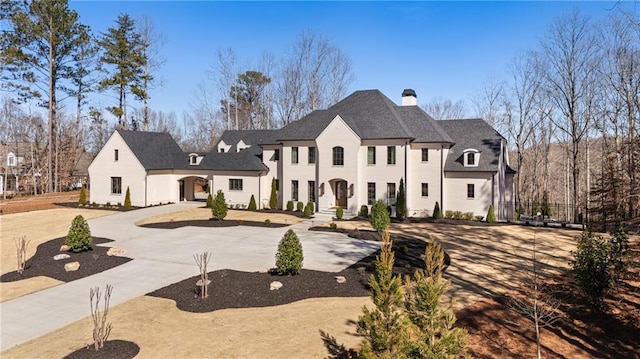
(152,42)
(442,108)
(101,329)
(21,252)
(202,261)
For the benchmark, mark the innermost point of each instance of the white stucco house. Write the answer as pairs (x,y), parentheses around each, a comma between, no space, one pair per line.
(348,155)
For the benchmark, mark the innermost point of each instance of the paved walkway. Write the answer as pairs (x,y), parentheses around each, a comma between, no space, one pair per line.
(162,257)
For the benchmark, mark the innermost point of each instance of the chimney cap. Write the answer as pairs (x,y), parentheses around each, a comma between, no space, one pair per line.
(409,92)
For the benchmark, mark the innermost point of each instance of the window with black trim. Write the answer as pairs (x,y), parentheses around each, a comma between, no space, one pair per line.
(338,156)
(294,190)
(235,184)
(312,155)
(425,155)
(116,185)
(312,191)
(391,194)
(425,190)
(391,155)
(471,158)
(371,193)
(294,155)
(471,190)
(115,155)
(371,155)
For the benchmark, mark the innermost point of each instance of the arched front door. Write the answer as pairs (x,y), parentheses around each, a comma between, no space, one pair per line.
(341,194)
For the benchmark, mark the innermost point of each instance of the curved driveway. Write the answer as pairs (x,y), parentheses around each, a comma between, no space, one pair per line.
(162,257)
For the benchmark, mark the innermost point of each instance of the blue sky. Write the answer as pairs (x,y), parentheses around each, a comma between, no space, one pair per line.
(440,49)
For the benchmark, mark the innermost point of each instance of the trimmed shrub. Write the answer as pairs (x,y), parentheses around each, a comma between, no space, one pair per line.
(209,201)
(83,196)
(333,225)
(219,209)
(491,215)
(379,216)
(273,199)
(252,204)
(468,216)
(437,213)
(457,214)
(591,266)
(448,214)
(267,222)
(127,199)
(401,203)
(308,209)
(79,236)
(339,212)
(289,205)
(364,211)
(479,218)
(299,206)
(289,257)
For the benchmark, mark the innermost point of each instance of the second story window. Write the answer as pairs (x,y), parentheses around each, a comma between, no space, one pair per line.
(338,156)
(425,155)
(391,155)
(312,155)
(115,155)
(371,155)
(294,155)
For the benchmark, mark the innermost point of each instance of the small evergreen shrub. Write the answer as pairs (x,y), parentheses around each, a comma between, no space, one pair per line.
(620,256)
(79,236)
(267,222)
(437,213)
(333,225)
(289,205)
(289,257)
(591,266)
(448,214)
(339,212)
(379,216)
(364,211)
(468,216)
(219,209)
(401,205)
(252,204)
(83,196)
(308,209)
(209,201)
(299,206)
(127,199)
(273,199)
(457,214)
(479,218)
(491,215)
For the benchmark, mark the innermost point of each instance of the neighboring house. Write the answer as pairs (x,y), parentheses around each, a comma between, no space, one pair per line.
(348,155)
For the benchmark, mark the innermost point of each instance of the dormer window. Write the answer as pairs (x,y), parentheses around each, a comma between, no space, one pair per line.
(11,160)
(471,157)
(193,159)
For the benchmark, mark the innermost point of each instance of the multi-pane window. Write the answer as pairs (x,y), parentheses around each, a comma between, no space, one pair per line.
(312,191)
(294,155)
(116,185)
(371,193)
(312,155)
(276,155)
(115,155)
(371,155)
(471,190)
(391,155)
(338,156)
(425,154)
(391,194)
(294,190)
(235,184)
(425,190)
(471,159)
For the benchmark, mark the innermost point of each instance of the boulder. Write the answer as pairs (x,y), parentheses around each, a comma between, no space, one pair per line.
(60,256)
(115,251)
(199,282)
(72,266)
(340,279)
(64,248)
(275,285)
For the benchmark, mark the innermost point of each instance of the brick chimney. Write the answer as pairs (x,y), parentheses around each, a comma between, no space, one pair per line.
(409,98)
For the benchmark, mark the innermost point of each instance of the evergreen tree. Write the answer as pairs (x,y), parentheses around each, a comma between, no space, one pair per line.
(83,196)
(252,204)
(123,60)
(491,215)
(431,323)
(79,236)
(209,201)
(379,216)
(37,48)
(384,327)
(219,209)
(401,203)
(437,213)
(127,199)
(273,199)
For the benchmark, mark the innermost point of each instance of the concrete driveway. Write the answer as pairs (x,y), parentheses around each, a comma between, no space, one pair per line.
(162,257)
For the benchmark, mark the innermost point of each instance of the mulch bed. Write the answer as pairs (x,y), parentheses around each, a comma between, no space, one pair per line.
(113,349)
(42,264)
(97,206)
(235,289)
(210,223)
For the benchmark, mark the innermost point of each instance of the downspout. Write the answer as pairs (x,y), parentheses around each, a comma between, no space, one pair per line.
(406,180)
(259,189)
(146,176)
(442,178)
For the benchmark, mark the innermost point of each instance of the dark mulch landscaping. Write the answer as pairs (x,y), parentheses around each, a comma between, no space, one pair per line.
(42,264)
(210,223)
(235,289)
(113,349)
(97,206)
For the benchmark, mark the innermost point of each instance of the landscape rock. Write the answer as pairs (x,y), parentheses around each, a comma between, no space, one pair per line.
(341,279)
(72,266)
(275,285)
(199,282)
(60,256)
(115,251)
(64,248)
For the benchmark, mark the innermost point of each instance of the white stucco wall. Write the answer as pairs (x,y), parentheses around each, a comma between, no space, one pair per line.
(250,186)
(455,188)
(424,172)
(303,171)
(275,171)
(104,166)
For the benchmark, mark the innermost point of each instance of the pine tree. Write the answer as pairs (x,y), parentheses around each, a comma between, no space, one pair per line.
(127,199)
(437,213)
(401,203)
(379,216)
(79,236)
(83,196)
(273,199)
(431,323)
(252,204)
(209,201)
(384,328)
(219,209)
(491,215)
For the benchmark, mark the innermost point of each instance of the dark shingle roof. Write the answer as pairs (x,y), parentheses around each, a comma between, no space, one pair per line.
(255,138)
(476,134)
(245,160)
(155,150)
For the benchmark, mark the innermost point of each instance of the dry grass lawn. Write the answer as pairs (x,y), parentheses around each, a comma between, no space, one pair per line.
(232,215)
